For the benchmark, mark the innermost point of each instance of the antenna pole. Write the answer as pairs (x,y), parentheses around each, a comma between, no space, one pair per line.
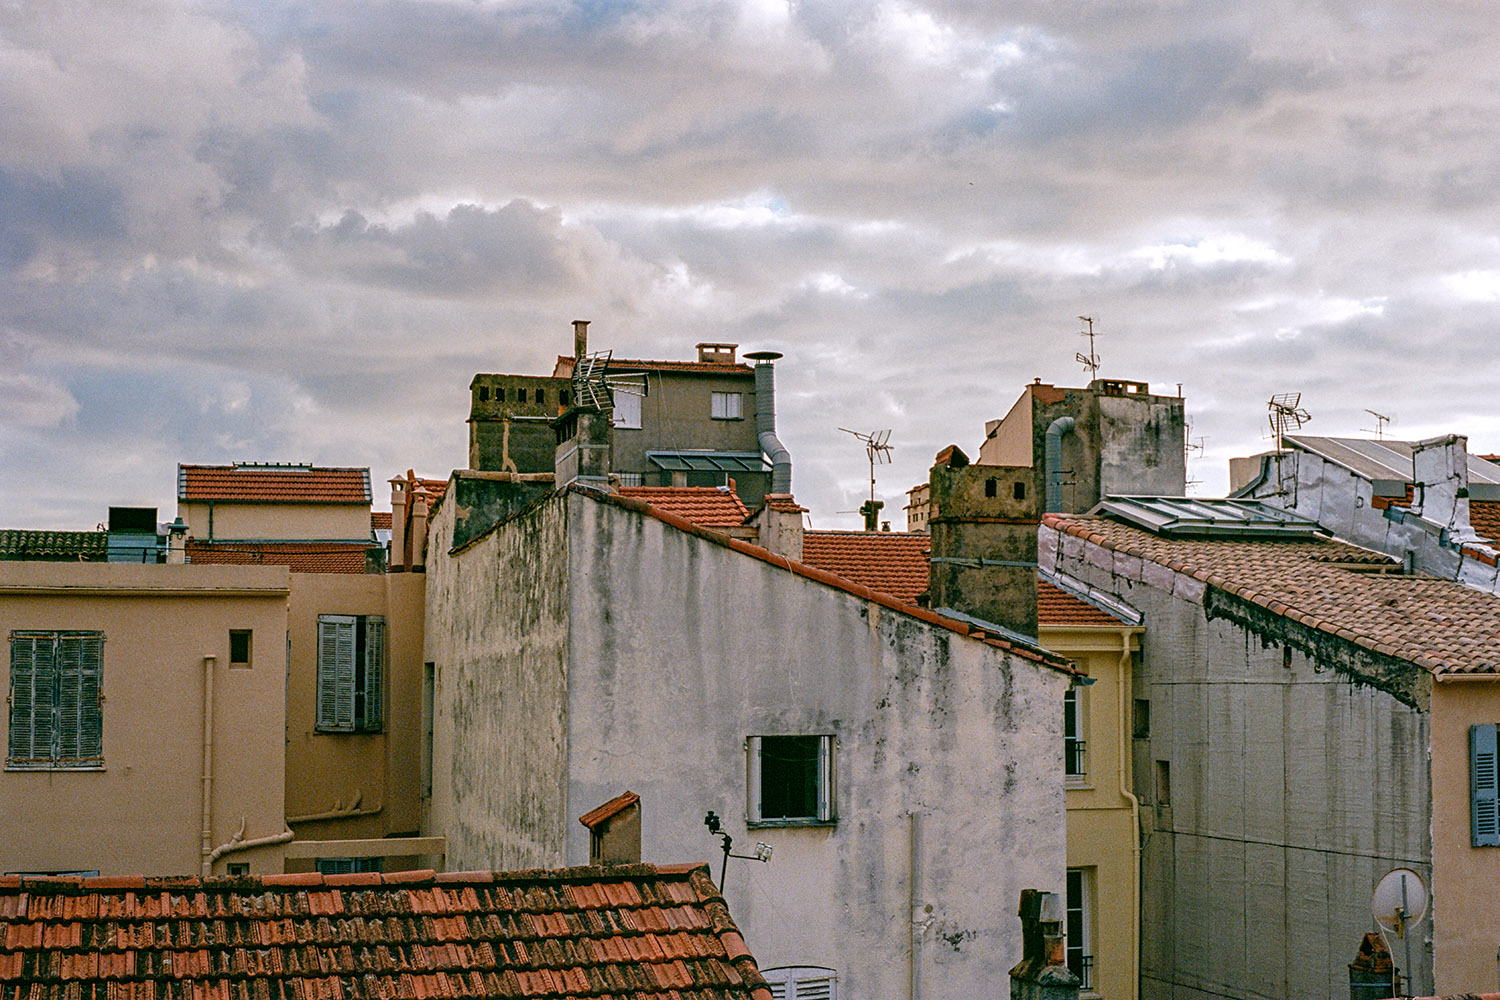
(1090,361)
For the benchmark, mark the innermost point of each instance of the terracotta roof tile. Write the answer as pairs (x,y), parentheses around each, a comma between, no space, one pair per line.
(891,562)
(272,484)
(1057,607)
(638,931)
(380,520)
(1484,518)
(1329,586)
(709,506)
(300,557)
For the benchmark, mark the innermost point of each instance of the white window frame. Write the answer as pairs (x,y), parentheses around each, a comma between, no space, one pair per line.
(1083,906)
(350,696)
(726,405)
(826,790)
(1075,746)
(627,410)
(56,701)
(802,982)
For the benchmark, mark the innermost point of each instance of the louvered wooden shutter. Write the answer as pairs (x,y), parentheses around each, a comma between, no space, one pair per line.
(79,732)
(374,672)
(336,673)
(1484,791)
(30,729)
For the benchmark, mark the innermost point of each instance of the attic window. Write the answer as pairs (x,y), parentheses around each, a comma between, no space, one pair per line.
(520,395)
(991,487)
(499,394)
(1018,491)
(484,394)
(541,396)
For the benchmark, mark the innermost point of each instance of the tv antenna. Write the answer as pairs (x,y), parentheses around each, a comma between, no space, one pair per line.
(1089,361)
(716,828)
(876,449)
(1191,449)
(1399,899)
(1380,421)
(593,386)
(1286,411)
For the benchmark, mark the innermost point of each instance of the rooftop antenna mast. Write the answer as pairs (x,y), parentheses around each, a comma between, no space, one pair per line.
(1380,421)
(1089,361)
(594,387)
(1285,411)
(876,450)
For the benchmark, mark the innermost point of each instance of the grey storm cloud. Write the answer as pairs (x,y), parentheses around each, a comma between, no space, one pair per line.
(294,230)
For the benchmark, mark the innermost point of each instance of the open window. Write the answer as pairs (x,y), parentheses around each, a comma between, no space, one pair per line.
(790,780)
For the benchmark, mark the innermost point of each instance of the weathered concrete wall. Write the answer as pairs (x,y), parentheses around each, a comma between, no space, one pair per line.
(140,813)
(1141,445)
(1290,789)
(983,558)
(497,634)
(682,649)
(1465,924)
(508,433)
(1122,442)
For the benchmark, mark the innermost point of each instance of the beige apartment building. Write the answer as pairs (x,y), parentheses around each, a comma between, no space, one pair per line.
(250,703)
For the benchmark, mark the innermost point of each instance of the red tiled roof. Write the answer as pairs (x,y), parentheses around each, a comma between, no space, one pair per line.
(1058,608)
(891,562)
(709,506)
(273,484)
(1439,625)
(564,366)
(1484,518)
(380,520)
(299,557)
(636,931)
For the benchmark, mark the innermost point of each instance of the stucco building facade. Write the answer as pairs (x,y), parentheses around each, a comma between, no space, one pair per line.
(592,644)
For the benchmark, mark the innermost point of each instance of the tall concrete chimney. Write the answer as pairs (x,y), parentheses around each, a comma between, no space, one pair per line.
(580,340)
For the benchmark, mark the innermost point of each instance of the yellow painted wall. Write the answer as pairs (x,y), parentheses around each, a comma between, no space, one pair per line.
(231,521)
(1102,825)
(141,813)
(326,772)
(1466,923)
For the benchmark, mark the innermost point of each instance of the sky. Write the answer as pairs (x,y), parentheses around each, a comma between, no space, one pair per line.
(293,230)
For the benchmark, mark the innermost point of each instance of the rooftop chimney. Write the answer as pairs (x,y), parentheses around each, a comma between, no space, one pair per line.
(765,421)
(1042,973)
(580,339)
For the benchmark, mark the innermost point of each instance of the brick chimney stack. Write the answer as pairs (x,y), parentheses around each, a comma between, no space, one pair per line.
(1042,973)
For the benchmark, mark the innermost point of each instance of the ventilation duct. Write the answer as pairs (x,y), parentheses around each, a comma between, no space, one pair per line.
(765,421)
(1052,456)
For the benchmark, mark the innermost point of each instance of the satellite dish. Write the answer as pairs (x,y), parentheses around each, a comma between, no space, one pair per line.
(1400,898)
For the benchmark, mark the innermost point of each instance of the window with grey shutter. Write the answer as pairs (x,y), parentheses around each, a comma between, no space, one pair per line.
(351,671)
(336,673)
(802,982)
(1484,793)
(56,716)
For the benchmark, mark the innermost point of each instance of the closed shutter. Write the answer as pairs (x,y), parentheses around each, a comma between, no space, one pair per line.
(374,673)
(336,673)
(1483,788)
(825,779)
(79,736)
(29,741)
(801,983)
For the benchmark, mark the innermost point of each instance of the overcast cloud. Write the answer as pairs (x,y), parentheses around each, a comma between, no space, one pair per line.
(292,231)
